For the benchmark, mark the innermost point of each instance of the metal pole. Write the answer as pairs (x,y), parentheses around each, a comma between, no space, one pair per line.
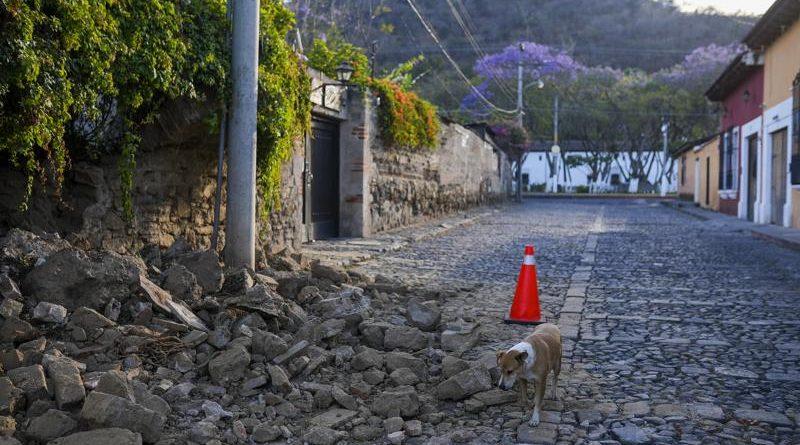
(519,119)
(665,132)
(240,227)
(218,195)
(555,138)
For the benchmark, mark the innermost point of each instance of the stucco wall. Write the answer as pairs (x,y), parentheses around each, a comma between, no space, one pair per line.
(686,184)
(709,153)
(781,65)
(796,208)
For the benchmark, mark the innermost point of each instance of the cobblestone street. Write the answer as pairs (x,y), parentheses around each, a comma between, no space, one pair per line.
(677,330)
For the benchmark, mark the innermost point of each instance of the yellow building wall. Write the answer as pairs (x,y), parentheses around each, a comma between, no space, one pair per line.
(686,185)
(709,153)
(781,65)
(796,208)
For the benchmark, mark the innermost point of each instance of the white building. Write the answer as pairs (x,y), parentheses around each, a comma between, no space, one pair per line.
(615,173)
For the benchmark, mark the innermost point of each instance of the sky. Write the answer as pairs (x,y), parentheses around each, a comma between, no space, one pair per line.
(729,6)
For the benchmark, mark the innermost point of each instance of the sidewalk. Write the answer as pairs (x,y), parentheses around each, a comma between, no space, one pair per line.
(782,236)
(347,251)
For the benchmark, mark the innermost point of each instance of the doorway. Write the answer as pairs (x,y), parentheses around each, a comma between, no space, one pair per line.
(752,175)
(697,180)
(778,176)
(324,180)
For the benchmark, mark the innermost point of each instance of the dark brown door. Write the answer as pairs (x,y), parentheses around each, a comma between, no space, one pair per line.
(752,175)
(778,175)
(324,181)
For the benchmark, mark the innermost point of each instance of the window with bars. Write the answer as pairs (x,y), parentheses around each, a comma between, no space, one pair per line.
(729,160)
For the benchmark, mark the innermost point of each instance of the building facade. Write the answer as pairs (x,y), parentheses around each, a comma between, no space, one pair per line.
(615,175)
(759,150)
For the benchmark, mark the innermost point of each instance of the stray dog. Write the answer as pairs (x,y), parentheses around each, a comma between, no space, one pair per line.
(531,360)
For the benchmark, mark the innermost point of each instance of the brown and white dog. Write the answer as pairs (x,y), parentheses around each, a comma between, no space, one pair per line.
(531,360)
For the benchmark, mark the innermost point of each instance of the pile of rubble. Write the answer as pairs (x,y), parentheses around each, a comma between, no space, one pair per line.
(171,348)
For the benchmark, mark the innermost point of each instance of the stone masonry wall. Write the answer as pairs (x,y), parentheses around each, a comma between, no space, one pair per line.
(175,184)
(409,187)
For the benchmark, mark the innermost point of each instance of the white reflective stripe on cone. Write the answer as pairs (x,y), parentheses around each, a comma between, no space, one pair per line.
(529,260)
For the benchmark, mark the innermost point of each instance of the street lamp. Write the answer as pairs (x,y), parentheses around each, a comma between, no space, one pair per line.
(344,72)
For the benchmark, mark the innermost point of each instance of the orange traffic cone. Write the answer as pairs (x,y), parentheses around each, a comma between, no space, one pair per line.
(525,308)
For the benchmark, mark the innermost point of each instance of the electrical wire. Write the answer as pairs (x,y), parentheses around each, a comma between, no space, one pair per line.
(495,73)
(477,92)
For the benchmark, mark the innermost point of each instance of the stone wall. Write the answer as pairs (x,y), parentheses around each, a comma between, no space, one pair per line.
(408,187)
(173,197)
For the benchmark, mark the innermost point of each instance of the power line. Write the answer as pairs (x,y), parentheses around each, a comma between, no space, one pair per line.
(453,62)
(478,50)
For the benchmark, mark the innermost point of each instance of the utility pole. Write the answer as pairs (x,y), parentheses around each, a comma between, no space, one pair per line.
(519,119)
(665,133)
(555,138)
(240,226)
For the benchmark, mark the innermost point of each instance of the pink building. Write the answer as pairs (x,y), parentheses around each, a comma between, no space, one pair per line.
(740,89)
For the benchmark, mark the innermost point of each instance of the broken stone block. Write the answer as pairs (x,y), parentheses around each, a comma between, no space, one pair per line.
(238,281)
(67,382)
(9,289)
(320,435)
(116,383)
(105,436)
(266,432)
(366,359)
(149,400)
(397,360)
(396,438)
(229,365)
(424,315)
(461,337)
(464,384)
(31,380)
(268,344)
(278,378)
(413,428)
(105,410)
(50,313)
(296,349)
(10,397)
(453,365)
(405,338)
(15,330)
(404,376)
(344,399)
(329,272)
(50,425)
(206,267)
(182,284)
(12,358)
(10,308)
(333,418)
(401,401)
(393,424)
(7,426)
(373,333)
(74,278)
(88,319)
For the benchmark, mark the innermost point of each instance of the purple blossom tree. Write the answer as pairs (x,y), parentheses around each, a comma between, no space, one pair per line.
(538,62)
(699,68)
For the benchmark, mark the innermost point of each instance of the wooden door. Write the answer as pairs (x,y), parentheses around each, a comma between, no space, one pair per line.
(752,175)
(778,176)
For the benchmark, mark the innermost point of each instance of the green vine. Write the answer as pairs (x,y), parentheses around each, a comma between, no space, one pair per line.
(405,120)
(82,77)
